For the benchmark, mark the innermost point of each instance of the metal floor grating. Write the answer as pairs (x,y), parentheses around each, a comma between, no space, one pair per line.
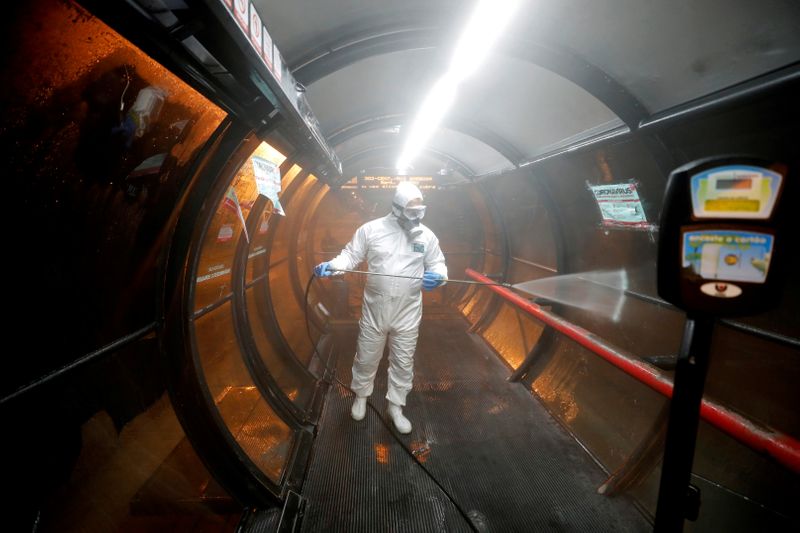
(501,456)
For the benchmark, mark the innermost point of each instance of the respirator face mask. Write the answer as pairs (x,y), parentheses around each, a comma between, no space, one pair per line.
(409,217)
(414,213)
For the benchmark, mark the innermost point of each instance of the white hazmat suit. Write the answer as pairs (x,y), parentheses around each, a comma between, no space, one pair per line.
(392,307)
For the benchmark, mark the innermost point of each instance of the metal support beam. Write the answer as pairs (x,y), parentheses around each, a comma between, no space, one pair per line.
(369,43)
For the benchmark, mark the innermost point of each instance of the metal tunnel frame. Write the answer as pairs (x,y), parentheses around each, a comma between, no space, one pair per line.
(361,45)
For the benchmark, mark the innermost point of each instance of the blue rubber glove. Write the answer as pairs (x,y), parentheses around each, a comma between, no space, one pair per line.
(323,270)
(431,280)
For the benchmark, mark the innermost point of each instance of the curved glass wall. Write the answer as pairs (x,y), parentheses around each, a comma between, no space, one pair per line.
(253,424)
(341,295)
(265,254)
(219,248)
(100,187)
(288,278)
(476,303)
(224,339)
(532,255)
(98,144)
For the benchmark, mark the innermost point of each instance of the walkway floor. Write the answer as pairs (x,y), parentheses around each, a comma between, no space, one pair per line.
(502,457)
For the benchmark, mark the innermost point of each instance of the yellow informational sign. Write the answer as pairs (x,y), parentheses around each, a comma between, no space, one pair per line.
(732,205)
(734,191)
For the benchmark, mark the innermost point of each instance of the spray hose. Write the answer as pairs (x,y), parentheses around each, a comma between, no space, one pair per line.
(464,281)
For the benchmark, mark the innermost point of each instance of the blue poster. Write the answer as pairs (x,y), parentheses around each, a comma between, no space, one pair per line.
(728,254)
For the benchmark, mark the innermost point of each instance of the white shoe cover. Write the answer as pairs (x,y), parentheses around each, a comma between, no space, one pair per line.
(359,409)
(400,422)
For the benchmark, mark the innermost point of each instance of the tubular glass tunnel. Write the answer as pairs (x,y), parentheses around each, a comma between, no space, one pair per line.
(176,169)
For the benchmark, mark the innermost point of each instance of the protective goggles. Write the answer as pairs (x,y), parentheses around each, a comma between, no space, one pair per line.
(414,213)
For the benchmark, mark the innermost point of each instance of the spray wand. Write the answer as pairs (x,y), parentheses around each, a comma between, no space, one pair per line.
(465,281)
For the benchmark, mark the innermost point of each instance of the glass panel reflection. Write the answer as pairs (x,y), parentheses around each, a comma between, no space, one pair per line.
(219,246)
(512,334)
(143,477)
(98,143)
(260,433)
(284,369)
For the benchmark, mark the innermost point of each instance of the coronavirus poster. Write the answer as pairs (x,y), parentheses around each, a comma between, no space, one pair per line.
(620,205)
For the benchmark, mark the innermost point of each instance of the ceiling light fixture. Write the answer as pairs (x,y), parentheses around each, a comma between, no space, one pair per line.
(483,30)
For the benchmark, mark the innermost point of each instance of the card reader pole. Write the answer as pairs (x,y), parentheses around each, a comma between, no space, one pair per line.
(676,499)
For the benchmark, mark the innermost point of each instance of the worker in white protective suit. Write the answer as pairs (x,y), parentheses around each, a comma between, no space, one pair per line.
(397,244)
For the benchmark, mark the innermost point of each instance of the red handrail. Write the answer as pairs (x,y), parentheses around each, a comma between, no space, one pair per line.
(782,447)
